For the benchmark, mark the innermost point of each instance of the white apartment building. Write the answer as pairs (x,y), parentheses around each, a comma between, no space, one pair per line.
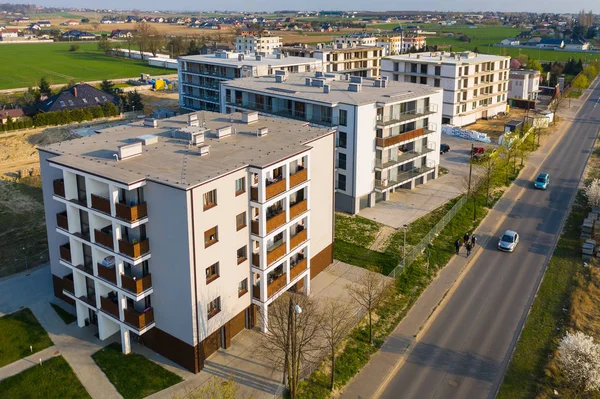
(200,75)
(257,44)
(388,133)
(178,230)
(355,40)
(346,59)
(475,85)
(524,84)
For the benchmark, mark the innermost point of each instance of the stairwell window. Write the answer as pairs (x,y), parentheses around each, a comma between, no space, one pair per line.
(242,287)
(213,307)
(212,273)
(240,186)
(343,117)
(210,199)
(242,254)
(240,221)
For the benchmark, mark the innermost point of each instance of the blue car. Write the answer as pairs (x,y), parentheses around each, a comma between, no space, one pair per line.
(542,181)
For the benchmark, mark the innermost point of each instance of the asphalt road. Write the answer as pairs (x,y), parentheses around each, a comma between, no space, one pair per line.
(464,351)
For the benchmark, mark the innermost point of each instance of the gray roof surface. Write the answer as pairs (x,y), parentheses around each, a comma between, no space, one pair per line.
(171,162)
(474,58)
(249,60)
(295,87)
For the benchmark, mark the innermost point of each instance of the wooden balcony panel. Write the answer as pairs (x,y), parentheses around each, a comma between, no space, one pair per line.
(136,286)
(298,177)
(65,252)
(131,213)
(275,253)
(62,221)
(69,284)
(275,222)
(254,193)
(275,188)
(255,260)
(254,227)
(109,306)
(389,141)
(137,319)
(298,208)
(256,292)
(276,285)
(103,239)
(107,273)
(298,239)
(90,300)
(297,269)
(101,204)
(134,250)
(59,187)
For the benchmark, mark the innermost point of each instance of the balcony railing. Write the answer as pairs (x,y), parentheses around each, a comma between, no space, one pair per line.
(254,227)
(256,292)
(59,187)
(276,285)
(134,250)
(297,269)
(135,285)
(402,177)
(65,252)
(90,300)
(298,177)
(405,157)
(256,259)
(103,239)
(107,273)
(62,221)
(298,208)
(275,188)
(275,221)
(405,116)
(131,213)
(69,284)
(399,138)
(137,319)
(101,204)
(109,306)
(297,239)
(254,193)
(285,113)
(275,252)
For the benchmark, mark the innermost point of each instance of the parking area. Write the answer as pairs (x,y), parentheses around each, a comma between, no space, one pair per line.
(406,206)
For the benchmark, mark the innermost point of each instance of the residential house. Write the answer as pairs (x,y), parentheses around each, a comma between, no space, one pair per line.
(122,33)
(511,41)
(14,114)
(551,43)
(76,97)
(9,34)
(78,35)
(523,84)
(578,44)
(257,44)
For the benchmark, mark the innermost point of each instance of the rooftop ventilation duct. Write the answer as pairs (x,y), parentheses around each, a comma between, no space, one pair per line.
(223,131)
(355,87)
(249,117)
(193,120)
(262,131)
(356,79)
(280,78)
(308,81)
(326,88)
(148,139)
(130,150)
(240,57)
(151,123)
(203,150)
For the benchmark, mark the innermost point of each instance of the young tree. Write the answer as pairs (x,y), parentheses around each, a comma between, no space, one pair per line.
(44,87)
(367,292)
(107,86)
(337,322)
(579,357)
(193,48)
(592,192)
(535,65)
(104,45)
(580,82)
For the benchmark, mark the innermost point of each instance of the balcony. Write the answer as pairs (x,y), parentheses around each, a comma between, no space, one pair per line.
(254,227)
(285,113)
(402,177)
(103,238)
(399,138)
(297,269)
(59,187)
(298,177)
(107,273)
(276,285)
(298,239)
(255,259)
(107,305)
(131,213)
(405,157)
(137,319)
(254,193)
(62,221)
(135,285)
(68,284)
(275,252)
(405,116)
(274,188)
(134,250)
(298,208)
(275,221)
(256,292)
(65,252)
(101,204)
(89,299)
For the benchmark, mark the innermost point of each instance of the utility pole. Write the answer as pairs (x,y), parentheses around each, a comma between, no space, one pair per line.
(489,169)
(470,170)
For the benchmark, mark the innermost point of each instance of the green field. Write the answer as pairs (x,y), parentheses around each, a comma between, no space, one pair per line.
(22,65)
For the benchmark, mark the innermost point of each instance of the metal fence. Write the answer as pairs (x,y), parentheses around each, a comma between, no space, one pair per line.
(418,249)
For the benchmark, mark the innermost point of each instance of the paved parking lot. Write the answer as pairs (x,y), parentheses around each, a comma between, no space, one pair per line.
(405,206)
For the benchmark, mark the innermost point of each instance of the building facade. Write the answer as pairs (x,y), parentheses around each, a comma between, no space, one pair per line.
(257,44)
(524,84)
(475,85)
(388,133)
(200,75)
(177,231)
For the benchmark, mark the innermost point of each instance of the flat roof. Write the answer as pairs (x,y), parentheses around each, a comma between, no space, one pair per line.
(330,47)
(249,60)
(173,162)
(295,87)
(446,58)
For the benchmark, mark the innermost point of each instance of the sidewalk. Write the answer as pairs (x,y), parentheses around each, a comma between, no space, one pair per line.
(389,358)
(27,362)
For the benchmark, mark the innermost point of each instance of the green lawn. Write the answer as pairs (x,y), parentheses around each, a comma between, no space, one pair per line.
(356,229)
(67,317)
(18,331)
(133,375)
(22,65)
(54,379)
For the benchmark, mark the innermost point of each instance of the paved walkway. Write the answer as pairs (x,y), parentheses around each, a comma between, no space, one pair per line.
(389,358)
(27,362)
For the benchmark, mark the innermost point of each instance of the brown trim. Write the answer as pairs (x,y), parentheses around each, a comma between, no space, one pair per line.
(172,348)
(198,349)
(321,260)
(58,286)
(240,192)
(212,231)
(213,314)
(242,293)
(209,206)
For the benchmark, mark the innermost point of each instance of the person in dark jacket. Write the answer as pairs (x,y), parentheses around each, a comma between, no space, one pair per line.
(468,248)
(457,245)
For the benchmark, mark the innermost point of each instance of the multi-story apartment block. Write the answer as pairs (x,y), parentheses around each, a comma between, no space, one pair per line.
(200,75)
(388,133)
(475,85)
(346,59)
(257,44)
(401,44)
(176,231)
(524,84)
(355,40)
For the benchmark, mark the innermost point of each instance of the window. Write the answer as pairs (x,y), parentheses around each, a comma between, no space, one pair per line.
(213,307)
(423,80)
(211,237)
(474,105)
(240,221)
(342,161)
(341,182)
(71,103)
(424,68)
(97,100)
(210,199)
(242,254)
(342,138)
(62,104)
(84,100)
(240,186)
(438,70)
(242,287)
(436,83)
(104,98)
(212,273)
(343,117)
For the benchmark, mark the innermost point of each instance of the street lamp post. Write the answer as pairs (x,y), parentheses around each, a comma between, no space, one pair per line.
(404,246)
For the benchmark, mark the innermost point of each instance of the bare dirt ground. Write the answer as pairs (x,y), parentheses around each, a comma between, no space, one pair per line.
(154,100)
(495,127)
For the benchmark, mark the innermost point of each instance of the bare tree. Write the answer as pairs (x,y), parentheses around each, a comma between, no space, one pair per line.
(148,38)
(367,293)
(95,25)
(291,339)
(579,357)
(592,192)
(557,103)
(337,321)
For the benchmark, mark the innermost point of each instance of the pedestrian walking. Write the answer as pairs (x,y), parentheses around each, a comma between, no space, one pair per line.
(457,245)
(468,247)
(466,238)
(473,241)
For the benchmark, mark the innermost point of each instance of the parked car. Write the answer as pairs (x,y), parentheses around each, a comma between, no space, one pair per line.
(478,150)
(444,148)
(542,181)
(509,240)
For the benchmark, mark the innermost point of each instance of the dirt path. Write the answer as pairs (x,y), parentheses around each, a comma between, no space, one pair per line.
(382,239)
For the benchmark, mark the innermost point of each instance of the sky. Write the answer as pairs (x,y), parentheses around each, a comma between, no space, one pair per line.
(558,6)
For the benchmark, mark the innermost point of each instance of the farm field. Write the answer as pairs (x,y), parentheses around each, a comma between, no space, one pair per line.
(22,65)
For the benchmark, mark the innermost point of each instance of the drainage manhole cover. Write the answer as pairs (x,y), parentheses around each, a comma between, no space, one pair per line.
(453,383)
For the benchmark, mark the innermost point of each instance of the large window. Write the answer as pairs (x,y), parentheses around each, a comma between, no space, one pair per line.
(342,139)
(343,117)
(436,82)
(240,186)
(438,70)
(212,273)
(213,307)
(342,161)
(341,182)
(210,199)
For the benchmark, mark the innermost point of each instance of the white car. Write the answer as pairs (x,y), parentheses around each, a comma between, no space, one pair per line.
(509,240)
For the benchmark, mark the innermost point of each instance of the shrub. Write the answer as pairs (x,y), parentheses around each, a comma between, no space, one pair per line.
(74,47)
